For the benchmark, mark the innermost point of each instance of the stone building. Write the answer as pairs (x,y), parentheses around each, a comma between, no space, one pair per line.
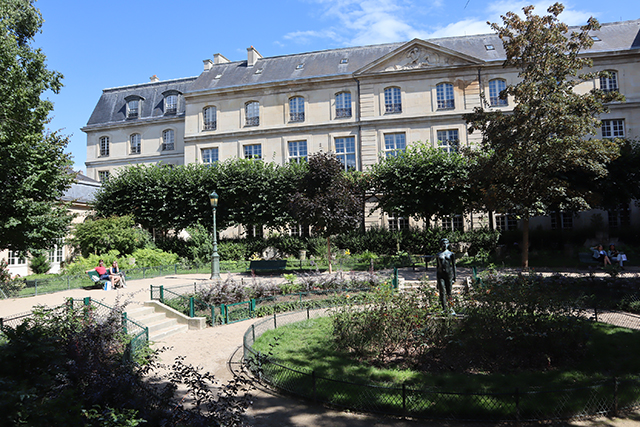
(359,102)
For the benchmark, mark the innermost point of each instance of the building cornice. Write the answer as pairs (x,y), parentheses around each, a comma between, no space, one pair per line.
(129,123)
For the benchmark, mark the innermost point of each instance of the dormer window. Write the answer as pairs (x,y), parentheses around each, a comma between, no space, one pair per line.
(170,101)
(344,61)
(299,66)
(134,104)
(489,47)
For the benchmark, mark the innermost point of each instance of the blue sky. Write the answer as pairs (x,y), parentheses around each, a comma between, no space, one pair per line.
(103,44)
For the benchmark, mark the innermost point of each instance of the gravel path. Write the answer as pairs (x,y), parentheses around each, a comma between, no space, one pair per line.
(216,349)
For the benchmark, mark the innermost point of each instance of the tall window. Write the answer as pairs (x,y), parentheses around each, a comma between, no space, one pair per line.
(394,143)
(16,259)
(171,104)
(613,128)
(252,113)
(561,220)
(506,222)
(103,176)
(495,87)
(296,109)
(55,254)
(392,100)
(253,151)
(452,222)
(104,146)
(210,155)
(168,140)
(210,120)
(298,151)
(346,152)
(609,83)
(397,223)
(134,143)
(133,108)
(343,104)
(448,140)
(620,217)
(444,93)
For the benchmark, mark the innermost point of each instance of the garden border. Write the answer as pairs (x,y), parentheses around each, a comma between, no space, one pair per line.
(609,397)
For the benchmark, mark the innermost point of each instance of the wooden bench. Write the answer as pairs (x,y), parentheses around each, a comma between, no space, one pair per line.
(95,278)
(268,265)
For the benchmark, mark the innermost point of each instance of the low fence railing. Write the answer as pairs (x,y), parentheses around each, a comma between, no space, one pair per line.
(138,334)
(609,397)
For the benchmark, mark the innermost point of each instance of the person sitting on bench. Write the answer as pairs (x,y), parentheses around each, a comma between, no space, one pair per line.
(600,255)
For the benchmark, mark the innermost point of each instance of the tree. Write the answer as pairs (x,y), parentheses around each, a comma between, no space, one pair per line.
(99,236)
(621,185)
(531,155)
(34,170)
(422,182)
(327,199)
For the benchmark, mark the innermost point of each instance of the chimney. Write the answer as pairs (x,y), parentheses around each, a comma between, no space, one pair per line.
(207,64)
(252,56)
(154,78)
(219,59)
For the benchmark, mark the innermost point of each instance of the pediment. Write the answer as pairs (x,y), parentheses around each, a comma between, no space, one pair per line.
(419,54)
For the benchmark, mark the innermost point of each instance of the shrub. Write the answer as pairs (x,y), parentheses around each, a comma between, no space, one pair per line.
(10,286)
(114,233)
(40,263)
(153,258)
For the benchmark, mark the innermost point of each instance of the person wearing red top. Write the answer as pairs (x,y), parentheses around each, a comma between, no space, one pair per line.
(102,271)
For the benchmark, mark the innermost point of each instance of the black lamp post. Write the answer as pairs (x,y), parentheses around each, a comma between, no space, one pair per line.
(215,258)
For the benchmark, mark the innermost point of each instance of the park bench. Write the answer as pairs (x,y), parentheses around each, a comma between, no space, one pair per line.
(268,265)
(101,283)
(587,258)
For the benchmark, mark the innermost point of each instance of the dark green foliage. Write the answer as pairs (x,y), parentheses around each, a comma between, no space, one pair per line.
(622,182)
(97,236)
(40,263)
(423,182)
(34,170)
(64,367)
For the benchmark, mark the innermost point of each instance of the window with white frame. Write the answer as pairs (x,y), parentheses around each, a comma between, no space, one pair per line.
(104,146)
(609,83)
(394,143)
(452,222)
(397,223)
(506,222)
(133,109)
(55,253)
(620,217)
(210,155)
(297,151)
(171,104)
(134,143)
(495,87)
(343,105)
(613,128)
(209,115)
(392,100)
(253,151)
(103,176)
(16,259)
(299,230)
(346,152)
(296,109)
(444,95)
(448,140)
(561,220)
(168,140)
(252,113)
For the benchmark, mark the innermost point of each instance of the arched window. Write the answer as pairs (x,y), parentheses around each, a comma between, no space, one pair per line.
(168,140)
(134,143)
(210,120)
(171,104)
(343,104)
(134,104)
(495,87)
(104,146)
(444,92)
(296,109)
(392,100)
(609,83)
(252,113)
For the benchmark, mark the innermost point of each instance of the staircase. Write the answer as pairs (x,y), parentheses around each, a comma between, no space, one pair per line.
(160,326)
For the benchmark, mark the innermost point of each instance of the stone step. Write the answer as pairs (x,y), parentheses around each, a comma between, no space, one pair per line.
(166,332)
(159,325)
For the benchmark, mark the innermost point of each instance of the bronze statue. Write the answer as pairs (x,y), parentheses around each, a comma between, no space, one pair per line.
(445,274)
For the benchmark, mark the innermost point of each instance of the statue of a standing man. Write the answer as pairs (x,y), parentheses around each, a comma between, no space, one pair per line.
(445,274)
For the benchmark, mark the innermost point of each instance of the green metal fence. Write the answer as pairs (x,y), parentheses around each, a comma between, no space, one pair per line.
(609,397)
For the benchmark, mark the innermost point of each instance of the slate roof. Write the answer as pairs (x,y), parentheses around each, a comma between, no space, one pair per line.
(82,191)
(111,108)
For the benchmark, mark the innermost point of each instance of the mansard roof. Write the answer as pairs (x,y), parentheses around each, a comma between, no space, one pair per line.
(112,106)
(475,49)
